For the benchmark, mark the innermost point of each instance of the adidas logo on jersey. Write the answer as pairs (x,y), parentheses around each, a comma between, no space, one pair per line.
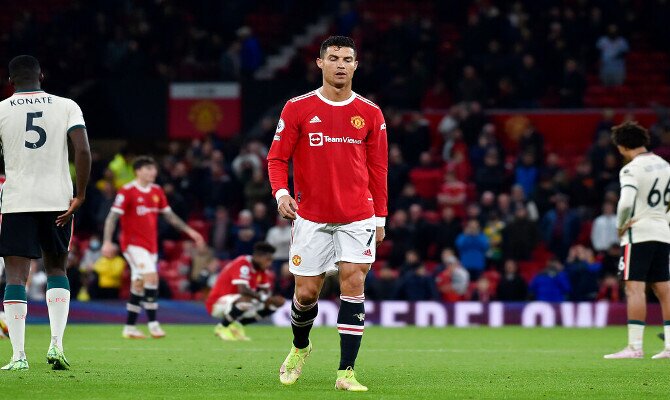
(314,120)
(368,253)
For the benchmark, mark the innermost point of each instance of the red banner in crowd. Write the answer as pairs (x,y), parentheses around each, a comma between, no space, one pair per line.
(196,109)
(564,131)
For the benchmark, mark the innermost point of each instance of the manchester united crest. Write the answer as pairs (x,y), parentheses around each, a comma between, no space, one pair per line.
(357,121)
(156,199)
(296,260)
(205,116)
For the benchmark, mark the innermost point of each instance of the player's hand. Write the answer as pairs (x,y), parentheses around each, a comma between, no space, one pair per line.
(624,228)
(197,238)
(275,301)
(108,249)
(380,235)
(287,207)
(75,203)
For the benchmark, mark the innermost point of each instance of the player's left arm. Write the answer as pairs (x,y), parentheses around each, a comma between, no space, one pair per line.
(82,165)
(377,164)
(179,224)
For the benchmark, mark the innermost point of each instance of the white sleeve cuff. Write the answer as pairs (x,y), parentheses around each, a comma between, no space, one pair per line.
(380,221)
(280,193)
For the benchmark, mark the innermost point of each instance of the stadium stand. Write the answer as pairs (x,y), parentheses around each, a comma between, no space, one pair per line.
(446,76)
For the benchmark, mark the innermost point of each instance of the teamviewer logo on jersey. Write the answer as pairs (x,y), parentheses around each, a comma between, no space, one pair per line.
(316,139)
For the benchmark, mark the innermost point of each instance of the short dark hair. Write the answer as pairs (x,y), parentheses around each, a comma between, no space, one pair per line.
(630,135)
(263,248)
(143,161)
(24,69)
(337,41)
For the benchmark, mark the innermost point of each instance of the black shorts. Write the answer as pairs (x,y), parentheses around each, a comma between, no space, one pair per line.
(646,262)
(31,233)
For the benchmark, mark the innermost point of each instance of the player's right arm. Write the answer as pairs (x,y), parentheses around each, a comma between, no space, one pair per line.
(281,151)
(245,290)
(629,188)
(118,209)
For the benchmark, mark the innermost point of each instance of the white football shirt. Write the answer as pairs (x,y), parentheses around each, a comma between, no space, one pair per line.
(33,130)
(649,175)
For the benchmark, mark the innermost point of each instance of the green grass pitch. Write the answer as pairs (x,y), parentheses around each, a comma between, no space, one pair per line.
(400,363)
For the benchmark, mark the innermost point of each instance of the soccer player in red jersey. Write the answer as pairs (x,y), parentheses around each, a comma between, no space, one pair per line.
(242,293)
(337,141)
(137,205)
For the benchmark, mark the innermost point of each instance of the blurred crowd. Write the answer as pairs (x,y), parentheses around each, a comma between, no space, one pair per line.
(502,224)
(499,227)
(504,54)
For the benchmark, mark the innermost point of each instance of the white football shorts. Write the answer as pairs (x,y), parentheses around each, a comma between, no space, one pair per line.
(141,261)
(316,248)
(225,303)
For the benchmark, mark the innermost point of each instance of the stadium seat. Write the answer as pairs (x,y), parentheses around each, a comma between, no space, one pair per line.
(384,250)
(172,249)
(426,181)
(202,227)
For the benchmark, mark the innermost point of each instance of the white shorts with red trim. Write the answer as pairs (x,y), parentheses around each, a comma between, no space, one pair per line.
(225,303)
(316,248)
(141,261)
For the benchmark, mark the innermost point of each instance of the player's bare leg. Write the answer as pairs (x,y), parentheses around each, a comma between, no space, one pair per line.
(130,330)
(636,301)
(151,305)
(303,313)
(58,303)
(662,291)
(16,309)
(350,323)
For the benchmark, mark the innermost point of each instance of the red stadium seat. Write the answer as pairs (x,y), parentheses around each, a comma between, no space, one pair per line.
(384,250)
(426,181)
(172,249)
(202,227)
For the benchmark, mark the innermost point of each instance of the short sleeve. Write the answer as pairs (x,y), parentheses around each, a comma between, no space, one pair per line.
(75,118)
(120,203)
(628,178)
(242,275)
(163,204)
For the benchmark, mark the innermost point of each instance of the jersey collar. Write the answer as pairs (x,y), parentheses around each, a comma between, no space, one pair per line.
(336,103)
(32,91)
(142,189)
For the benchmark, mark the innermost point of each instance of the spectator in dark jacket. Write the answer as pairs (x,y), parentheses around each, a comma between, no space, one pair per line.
(573,86)
(244,234)
(532,141)
(447,229)
(512,287)
(520,236)
(417,285)
(490,176)
(583,271)
(560,227)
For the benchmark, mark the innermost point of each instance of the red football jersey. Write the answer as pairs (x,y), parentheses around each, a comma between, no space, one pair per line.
(340,158)
(240,271)
(139,208)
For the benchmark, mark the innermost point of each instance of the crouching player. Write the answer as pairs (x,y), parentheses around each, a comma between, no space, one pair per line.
(242,293)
